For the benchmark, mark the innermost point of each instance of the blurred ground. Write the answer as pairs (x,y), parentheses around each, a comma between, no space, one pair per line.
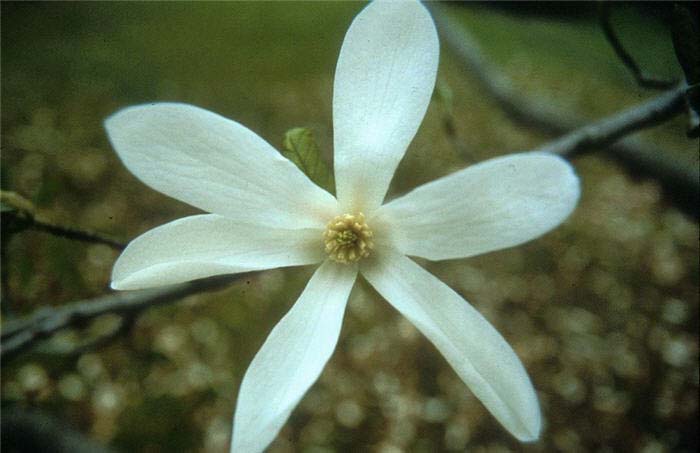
(603,311)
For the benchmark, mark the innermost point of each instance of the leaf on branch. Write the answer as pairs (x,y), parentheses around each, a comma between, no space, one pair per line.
(300,147)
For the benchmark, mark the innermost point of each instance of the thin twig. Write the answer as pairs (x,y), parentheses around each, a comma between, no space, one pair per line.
(644,81)
(17,335)
(78,234)
(608,130)
(680,181)
(25,212)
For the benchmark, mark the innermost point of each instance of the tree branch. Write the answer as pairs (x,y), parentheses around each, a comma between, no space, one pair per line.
(78,234)
(18,335)
(24,212)
(643,80)
(604,132)
(680,181)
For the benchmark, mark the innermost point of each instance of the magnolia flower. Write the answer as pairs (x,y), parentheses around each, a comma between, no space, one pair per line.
(266,214)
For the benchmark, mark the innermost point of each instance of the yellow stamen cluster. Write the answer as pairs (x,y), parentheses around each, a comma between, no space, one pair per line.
(348,238)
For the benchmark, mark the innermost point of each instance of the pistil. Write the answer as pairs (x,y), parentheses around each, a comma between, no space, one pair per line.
(348,238)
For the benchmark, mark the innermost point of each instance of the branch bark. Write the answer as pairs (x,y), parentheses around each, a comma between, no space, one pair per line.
(23,211)
(607,131)
(20,334)
(642,79)
(680,181)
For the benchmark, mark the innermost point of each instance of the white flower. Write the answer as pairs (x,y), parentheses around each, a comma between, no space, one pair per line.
(268,214)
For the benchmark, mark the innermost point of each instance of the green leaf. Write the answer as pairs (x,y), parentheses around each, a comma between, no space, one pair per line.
(300,147)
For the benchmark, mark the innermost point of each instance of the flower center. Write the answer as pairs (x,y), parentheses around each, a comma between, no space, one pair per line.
(348,238)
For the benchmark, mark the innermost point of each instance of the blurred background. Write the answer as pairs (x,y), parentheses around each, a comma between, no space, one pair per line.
(603,311)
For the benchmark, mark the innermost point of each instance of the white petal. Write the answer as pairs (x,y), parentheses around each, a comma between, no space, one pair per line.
(217,165)
(292,358)
(476,351)
(205,245)
(495,204)
(383,83)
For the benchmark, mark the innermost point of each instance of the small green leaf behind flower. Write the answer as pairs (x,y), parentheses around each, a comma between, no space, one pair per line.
(300,147)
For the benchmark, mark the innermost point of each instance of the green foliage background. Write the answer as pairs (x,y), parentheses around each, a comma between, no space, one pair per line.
(603,311)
